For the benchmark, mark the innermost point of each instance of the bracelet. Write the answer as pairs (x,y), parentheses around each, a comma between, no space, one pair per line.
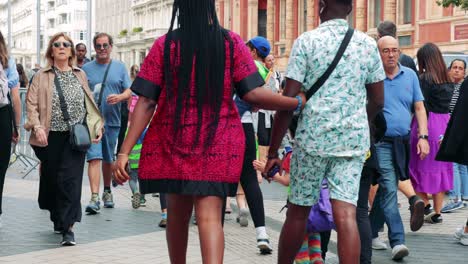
(122,154)
(423,137)
(274,156)
(299,105)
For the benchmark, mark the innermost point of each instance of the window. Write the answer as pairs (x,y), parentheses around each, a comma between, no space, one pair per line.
(302,19)
(51,5)
(82,35)
(62,2)
(350,18)
(375,9)
(405,12)
(282,19)
(63,19)
(51,23)
(80,15)
(404,41)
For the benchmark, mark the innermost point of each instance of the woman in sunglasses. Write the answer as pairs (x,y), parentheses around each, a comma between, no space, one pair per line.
(61,168)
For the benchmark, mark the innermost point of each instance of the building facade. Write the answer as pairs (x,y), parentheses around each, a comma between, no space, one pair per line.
(135,25)
(282,21)
(67,16)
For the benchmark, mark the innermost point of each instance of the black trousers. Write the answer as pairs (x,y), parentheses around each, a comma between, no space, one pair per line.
(362,214)
(248,179)
(6,129)
(61,177)
(362,219)
(123,125)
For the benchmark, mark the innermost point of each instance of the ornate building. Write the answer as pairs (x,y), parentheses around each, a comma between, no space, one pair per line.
(282,21)
(135,25)
(67,16)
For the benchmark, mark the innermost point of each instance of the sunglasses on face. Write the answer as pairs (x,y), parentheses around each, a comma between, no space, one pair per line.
(102,46)
(64,44)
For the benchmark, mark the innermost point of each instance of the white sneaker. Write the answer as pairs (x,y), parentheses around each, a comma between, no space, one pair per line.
(263,244)
(243,218)
(378,244)
(459,233)
(399,252)
(461,236)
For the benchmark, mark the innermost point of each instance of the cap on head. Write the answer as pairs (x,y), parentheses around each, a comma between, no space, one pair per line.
(262,45)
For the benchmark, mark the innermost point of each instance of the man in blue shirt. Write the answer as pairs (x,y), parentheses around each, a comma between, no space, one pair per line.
(115,91)
(402,93)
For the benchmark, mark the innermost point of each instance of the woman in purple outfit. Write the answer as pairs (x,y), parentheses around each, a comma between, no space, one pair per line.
(429,176)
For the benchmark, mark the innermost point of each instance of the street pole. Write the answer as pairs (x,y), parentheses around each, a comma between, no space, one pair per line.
(38,42)
(89,26)
(9,26)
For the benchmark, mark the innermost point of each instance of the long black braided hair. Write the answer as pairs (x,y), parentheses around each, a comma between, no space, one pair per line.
(199,42)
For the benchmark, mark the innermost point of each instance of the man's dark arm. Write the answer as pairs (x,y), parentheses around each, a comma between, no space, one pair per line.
(375,99)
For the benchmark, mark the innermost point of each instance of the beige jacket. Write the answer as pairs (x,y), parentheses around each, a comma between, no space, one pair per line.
(39,104)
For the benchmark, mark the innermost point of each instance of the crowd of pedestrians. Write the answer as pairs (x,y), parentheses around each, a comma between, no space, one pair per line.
(352,121)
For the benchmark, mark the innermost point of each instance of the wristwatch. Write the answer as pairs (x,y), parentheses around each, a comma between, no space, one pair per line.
(426,137)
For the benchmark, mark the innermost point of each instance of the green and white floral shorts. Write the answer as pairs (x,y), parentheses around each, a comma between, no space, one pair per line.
(307,173)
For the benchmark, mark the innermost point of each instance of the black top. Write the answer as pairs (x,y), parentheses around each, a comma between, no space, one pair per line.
(437,97)
(407,61)
(454,147)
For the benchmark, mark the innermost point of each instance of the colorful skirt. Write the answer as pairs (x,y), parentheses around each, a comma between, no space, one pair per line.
(428,175)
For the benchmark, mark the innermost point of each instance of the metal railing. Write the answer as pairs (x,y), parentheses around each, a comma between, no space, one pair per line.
(22,151)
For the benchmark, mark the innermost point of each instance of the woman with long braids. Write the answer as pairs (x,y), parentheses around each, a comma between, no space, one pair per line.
(194,147)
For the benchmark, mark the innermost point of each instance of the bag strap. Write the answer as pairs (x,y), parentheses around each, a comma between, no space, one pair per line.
(63,106)
(331,68)
(103,84)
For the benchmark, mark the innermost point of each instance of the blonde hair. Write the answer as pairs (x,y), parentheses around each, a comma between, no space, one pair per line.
(49,52)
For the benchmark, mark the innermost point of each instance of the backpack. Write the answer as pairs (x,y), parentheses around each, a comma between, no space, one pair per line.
(4,90)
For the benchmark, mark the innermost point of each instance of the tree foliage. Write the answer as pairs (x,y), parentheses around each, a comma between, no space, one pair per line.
(457,3)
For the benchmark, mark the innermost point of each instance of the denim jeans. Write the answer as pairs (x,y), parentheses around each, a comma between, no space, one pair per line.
(460,182)
(385,208)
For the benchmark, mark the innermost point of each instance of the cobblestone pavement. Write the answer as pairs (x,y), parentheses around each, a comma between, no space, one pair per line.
(125,235)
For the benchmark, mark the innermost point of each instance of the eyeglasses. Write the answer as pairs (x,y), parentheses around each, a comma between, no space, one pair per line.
(387,51)
(64,44)
(101,46)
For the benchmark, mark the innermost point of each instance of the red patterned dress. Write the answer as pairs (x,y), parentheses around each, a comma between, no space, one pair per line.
(171,164)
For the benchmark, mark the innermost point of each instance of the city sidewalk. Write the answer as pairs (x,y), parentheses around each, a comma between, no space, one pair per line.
(125,235)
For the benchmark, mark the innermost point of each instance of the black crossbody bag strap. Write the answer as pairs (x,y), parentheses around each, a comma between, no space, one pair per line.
(331,68)
(103,85)
(63,106)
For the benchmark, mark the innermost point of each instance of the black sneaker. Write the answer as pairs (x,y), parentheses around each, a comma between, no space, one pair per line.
(435,219)
(58,229)
(68,239)
(428,213)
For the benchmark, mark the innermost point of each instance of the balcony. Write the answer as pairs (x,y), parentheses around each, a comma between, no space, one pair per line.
(141,36)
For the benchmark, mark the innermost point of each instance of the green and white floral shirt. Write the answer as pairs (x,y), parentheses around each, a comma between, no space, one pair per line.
(334,120)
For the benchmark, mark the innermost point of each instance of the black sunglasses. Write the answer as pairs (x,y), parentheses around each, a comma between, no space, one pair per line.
(65,44)
(101,46)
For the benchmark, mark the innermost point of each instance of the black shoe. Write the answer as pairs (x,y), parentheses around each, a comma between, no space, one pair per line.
(435,219)
(428,213)
(417,214)
(58,229)
(68,239)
